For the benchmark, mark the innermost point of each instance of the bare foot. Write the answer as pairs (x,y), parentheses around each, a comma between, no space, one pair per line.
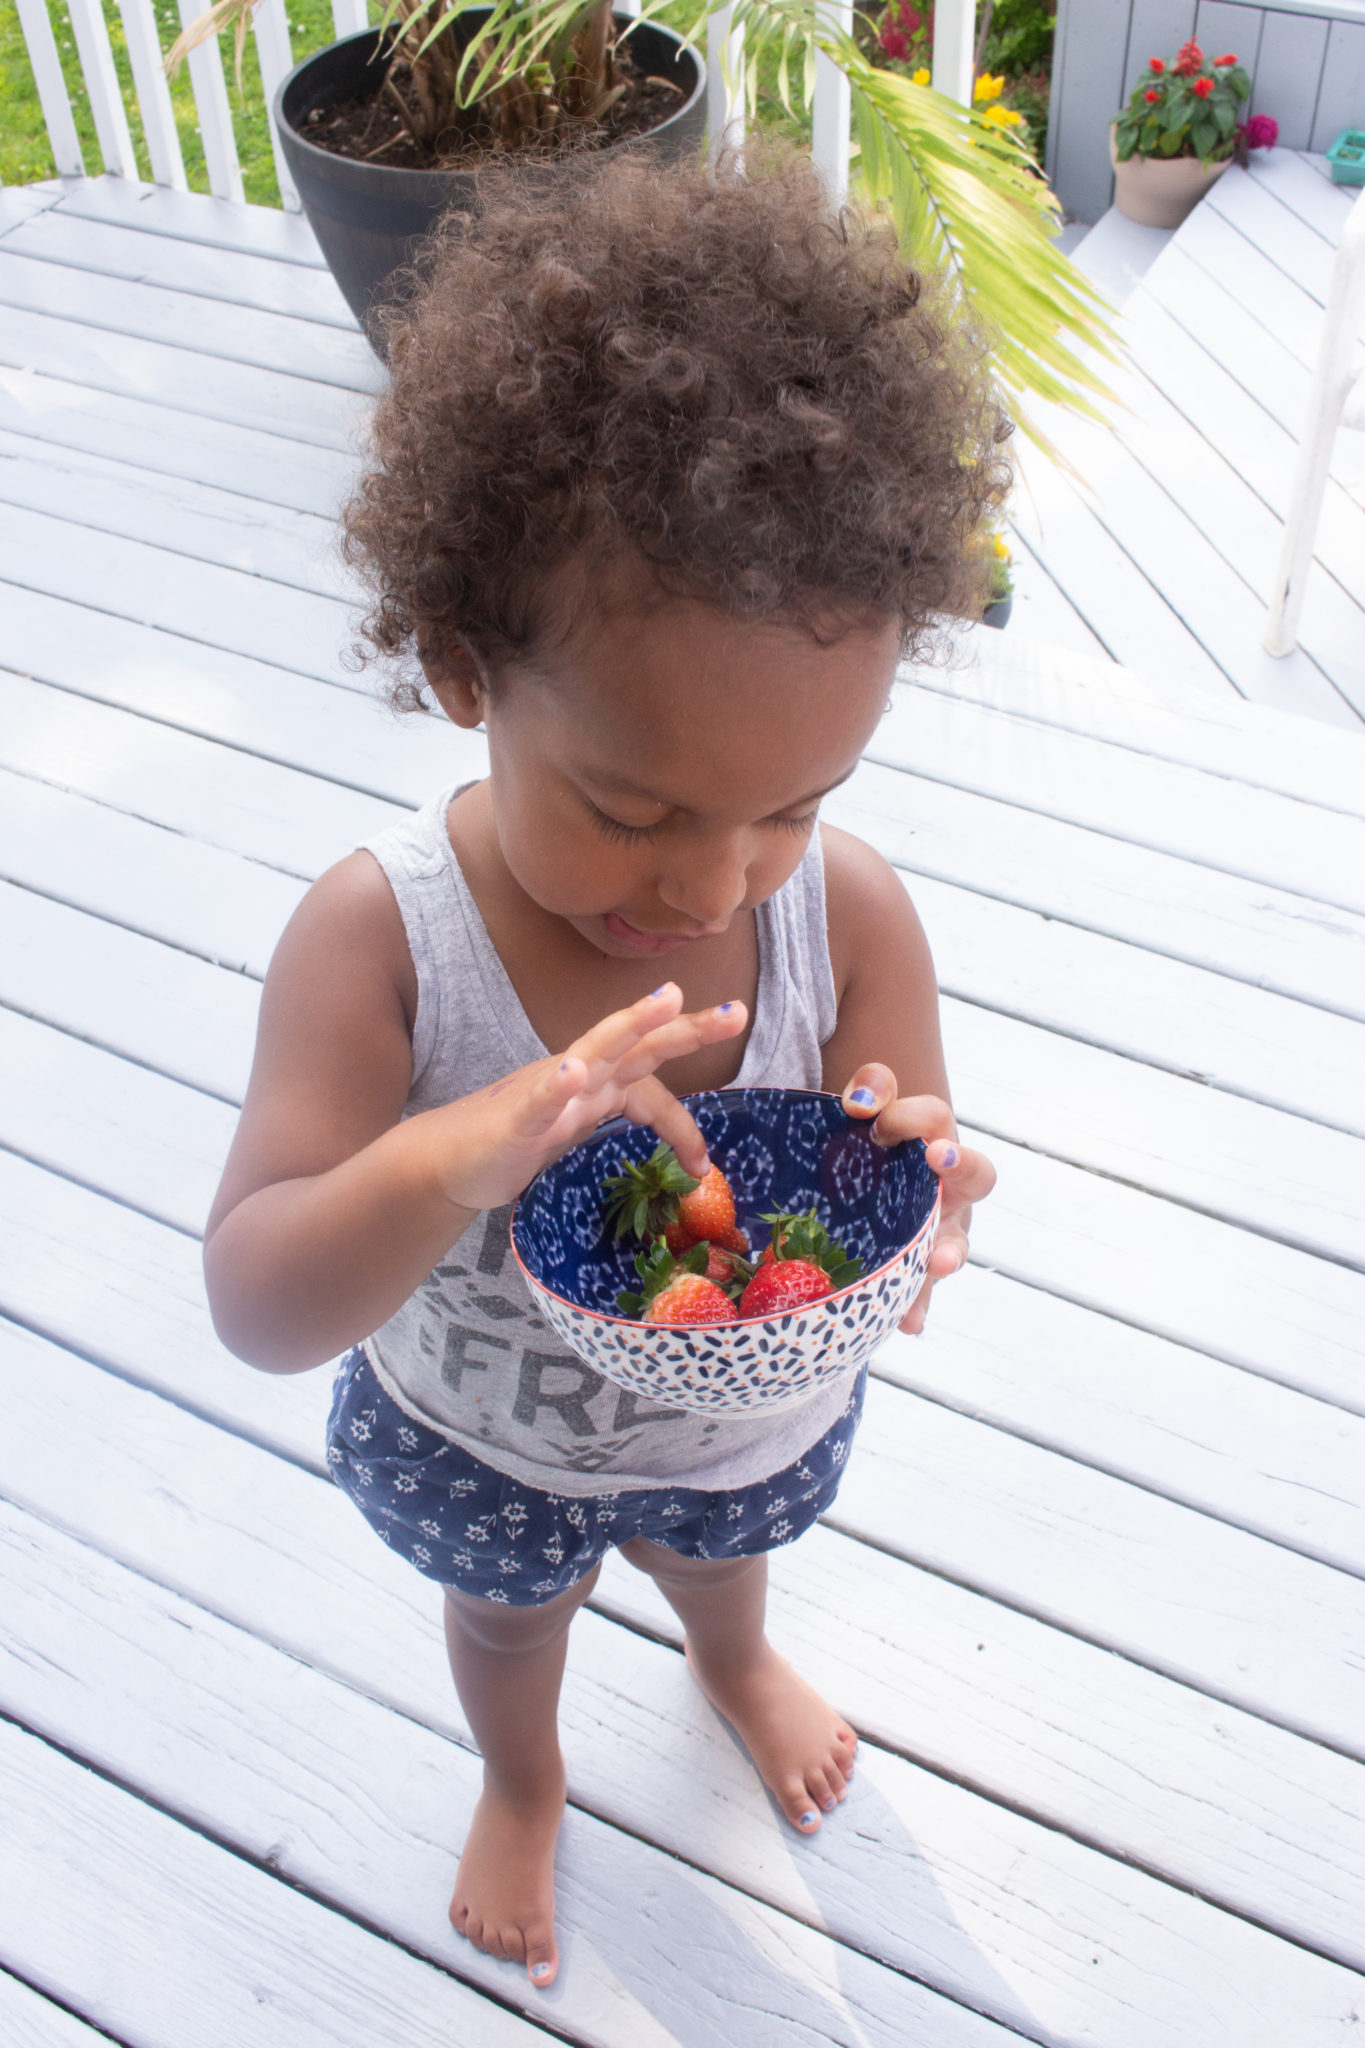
(801,1748)
(504,1898)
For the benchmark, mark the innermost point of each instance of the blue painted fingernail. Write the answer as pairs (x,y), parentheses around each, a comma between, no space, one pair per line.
(657,991)
(726,1008)
(863,1097)
(539,1970)
(830,1805)
(808,1820)
(949,1156)
(563,1066)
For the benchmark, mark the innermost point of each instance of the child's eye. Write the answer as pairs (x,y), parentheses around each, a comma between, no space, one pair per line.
(615,830)
(801,824)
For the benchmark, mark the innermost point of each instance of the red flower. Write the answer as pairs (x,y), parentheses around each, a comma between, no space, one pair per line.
(1156,63)
(894,44)
(1262,131)
(1151,95)
(1224,60)
(1201,88)
(1190,60)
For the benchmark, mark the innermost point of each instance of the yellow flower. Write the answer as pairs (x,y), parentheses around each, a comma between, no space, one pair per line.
(1002,547)
(988,88)
(920,77)
(1002,117)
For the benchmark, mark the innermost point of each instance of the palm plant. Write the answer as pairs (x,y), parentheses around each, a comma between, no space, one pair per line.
(963,193)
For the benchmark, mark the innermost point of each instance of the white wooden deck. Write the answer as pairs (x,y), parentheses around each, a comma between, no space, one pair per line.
(1092,1590)
(1163,554)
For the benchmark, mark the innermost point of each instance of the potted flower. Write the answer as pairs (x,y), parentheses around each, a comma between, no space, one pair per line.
(1000,587)
(1177,135)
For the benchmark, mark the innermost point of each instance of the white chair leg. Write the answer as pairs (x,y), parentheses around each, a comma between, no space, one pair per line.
(1332,382)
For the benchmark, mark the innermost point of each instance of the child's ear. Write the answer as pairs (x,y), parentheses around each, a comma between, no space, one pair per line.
(458,681)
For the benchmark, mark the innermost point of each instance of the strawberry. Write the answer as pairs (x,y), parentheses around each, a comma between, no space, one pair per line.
(676,1290)
(801,1264)
(658,1199)
(786,1283)
(725,1263)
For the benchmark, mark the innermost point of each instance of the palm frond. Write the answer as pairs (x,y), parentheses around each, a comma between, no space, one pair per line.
(966,197)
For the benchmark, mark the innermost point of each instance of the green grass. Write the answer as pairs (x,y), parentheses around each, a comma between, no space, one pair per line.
(24,152)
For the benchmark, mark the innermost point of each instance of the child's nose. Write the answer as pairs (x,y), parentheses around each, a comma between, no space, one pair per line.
(709,886)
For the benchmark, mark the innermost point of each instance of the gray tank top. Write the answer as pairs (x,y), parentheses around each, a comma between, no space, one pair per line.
(467,1354)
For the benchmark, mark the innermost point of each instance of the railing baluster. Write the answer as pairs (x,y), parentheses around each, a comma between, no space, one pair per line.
(349,16)
(215,116)
(276,60)
(830,108)
(153,94)
(46,66)
(724,82)
(954,31)
(101,82)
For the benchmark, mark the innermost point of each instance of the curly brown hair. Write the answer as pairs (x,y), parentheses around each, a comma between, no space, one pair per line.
(712,373)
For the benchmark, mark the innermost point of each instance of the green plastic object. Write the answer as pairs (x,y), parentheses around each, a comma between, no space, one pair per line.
(1347,157)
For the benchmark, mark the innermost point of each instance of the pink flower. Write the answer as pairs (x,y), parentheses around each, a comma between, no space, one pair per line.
(1190,60)
(1262,131)
(1201,88)
(894,43)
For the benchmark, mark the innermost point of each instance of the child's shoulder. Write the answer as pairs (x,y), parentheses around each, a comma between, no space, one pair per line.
(867,905)
(349,923)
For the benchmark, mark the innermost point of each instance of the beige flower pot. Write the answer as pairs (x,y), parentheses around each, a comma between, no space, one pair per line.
(1160,191)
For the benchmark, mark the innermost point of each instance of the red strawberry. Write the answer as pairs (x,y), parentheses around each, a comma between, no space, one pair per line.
(706,1214)
(676,1290)
(725,1263)
(690,1298)
(786,1283)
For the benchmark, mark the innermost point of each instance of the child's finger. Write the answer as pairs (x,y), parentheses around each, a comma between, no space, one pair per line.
(649,1102)
(917,1116)
(870,1089)
(544,1102)
(967,1176)
(614,1036)
(684,1035)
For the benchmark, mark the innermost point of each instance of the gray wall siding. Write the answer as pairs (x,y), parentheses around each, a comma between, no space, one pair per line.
(1306,70)
(1289,76)
(1341,100)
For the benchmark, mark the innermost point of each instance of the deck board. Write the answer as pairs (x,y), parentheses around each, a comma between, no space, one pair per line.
(1112,1786)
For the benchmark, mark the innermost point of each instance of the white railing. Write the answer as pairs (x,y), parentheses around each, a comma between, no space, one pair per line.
(952,70)
(1336,398)
(270,28)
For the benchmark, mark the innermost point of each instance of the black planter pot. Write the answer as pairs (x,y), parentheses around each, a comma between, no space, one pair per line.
(997,613)
(370,218)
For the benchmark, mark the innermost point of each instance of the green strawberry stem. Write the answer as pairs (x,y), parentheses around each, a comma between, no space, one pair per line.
(799,1234)
(643,1200)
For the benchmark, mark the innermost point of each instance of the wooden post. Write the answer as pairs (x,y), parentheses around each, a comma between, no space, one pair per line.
(46,66)
(724,82)
(153,94)
(101,82)
(954,21)
(276,59)
(215,116)
(830,111)
(349,16)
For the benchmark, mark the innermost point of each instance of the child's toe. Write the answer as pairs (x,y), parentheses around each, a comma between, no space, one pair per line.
(542,1957)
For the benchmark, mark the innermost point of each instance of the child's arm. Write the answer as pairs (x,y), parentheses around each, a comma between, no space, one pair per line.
(886,1055)
(331,1210)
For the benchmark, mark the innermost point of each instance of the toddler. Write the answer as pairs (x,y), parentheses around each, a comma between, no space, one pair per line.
(672,470)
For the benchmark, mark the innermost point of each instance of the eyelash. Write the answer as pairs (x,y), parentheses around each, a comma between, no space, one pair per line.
(620,834)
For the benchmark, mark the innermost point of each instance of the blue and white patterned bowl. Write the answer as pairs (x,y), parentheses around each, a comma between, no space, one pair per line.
(780,1148)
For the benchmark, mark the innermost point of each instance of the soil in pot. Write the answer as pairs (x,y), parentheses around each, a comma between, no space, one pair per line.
(369,127)
(371,215)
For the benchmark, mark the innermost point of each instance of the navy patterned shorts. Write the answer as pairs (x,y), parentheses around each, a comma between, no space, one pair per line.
(464,1524)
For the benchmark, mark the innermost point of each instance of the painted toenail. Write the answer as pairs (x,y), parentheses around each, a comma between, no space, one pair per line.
(808,1820)
(830,1805)
(540,1969)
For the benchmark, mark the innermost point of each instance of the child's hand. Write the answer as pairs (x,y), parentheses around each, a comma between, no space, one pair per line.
(966,1176)
(487,1147)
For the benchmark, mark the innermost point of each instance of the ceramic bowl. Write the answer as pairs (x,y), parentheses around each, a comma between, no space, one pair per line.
(780,1148)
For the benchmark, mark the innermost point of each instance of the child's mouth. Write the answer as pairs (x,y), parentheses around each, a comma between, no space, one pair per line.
(642,942)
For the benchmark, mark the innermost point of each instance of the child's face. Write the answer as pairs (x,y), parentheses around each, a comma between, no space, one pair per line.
(659,771)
